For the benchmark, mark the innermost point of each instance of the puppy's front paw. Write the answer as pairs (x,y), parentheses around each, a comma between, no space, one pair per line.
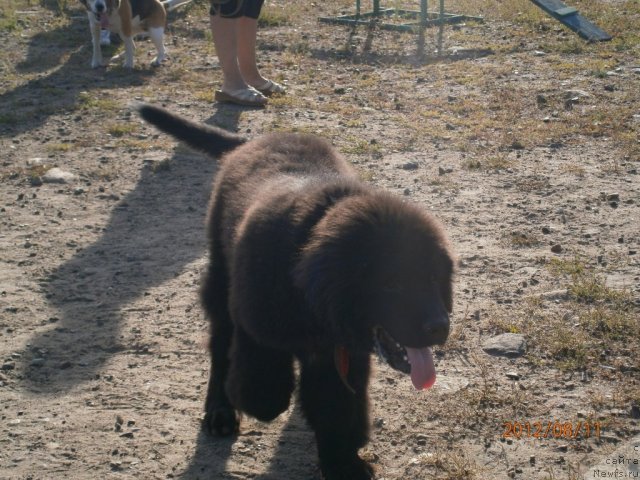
(221,421)
(352,469)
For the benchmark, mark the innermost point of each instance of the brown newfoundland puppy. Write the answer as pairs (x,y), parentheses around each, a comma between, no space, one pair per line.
(309,263)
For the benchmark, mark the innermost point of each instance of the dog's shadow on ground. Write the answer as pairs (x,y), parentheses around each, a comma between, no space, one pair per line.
(153,232)
(295,455)
(60,90)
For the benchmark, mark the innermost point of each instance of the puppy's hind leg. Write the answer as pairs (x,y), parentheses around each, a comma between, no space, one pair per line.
(157,37)
(220,416)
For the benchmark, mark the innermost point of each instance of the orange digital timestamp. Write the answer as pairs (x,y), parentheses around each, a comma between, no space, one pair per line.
(551,429)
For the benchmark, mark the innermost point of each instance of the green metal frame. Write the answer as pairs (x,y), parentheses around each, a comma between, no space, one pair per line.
(424,17)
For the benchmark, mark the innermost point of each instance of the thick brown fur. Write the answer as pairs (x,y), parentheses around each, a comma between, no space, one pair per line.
(304,258)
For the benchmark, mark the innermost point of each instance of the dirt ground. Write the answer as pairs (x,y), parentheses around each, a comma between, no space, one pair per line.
(521,137)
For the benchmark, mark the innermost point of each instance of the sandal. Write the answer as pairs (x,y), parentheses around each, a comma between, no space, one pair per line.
(271,88)
(248,97)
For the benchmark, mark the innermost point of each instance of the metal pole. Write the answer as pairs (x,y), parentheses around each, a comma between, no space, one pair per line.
(440,27)
(376,8)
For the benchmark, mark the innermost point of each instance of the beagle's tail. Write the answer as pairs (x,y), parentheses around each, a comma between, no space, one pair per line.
(208,139)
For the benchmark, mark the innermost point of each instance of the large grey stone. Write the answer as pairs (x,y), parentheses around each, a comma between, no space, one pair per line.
(57,175)
(506,345)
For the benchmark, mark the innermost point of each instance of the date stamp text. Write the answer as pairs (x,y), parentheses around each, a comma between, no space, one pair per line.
(551,429)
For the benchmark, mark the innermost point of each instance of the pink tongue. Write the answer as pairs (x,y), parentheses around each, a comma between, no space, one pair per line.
(104,21)
(423,371)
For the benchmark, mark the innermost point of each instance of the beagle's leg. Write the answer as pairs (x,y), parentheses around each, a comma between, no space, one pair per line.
(157,37)
(129,49)
(96,60)
(126,33)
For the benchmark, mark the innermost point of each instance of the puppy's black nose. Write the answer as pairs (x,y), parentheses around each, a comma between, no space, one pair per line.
(99,8)
(437,331)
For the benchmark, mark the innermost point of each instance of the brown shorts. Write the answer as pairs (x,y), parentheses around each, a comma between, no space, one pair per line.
(237,8)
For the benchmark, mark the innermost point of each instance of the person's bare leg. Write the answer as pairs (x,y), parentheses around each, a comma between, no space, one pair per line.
(246,33)
(246,42)
(225,33)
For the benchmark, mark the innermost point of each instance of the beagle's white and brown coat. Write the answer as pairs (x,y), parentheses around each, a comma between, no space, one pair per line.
(127,18)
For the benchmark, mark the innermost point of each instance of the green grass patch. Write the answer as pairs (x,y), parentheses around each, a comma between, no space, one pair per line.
(589,325)
(272,16)
(121,129)
(89,101)
(61,147)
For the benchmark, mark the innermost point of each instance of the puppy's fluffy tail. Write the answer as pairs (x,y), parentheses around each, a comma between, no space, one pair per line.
(211,140)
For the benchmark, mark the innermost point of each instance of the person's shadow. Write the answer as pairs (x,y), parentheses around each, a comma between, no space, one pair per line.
(153,233)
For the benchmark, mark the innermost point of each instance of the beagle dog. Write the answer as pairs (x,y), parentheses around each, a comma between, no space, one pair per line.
(128,18)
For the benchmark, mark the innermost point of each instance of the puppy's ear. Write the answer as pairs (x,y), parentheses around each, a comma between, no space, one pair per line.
(311,275)
(327,274)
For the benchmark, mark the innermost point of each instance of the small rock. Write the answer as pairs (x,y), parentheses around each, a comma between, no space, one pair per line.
(573,94)
(546,230)
(557,248)
(57,175)
(513,375)
(35,162)
(36,181)
(506,345)
(37,362)
(409,166)
(8,366)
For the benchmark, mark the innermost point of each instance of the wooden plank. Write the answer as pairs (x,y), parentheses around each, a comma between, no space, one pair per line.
(570,17)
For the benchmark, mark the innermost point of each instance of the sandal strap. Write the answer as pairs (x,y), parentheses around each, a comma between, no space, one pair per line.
(249,94)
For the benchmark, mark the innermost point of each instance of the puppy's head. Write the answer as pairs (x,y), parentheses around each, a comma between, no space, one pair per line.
(376,264)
